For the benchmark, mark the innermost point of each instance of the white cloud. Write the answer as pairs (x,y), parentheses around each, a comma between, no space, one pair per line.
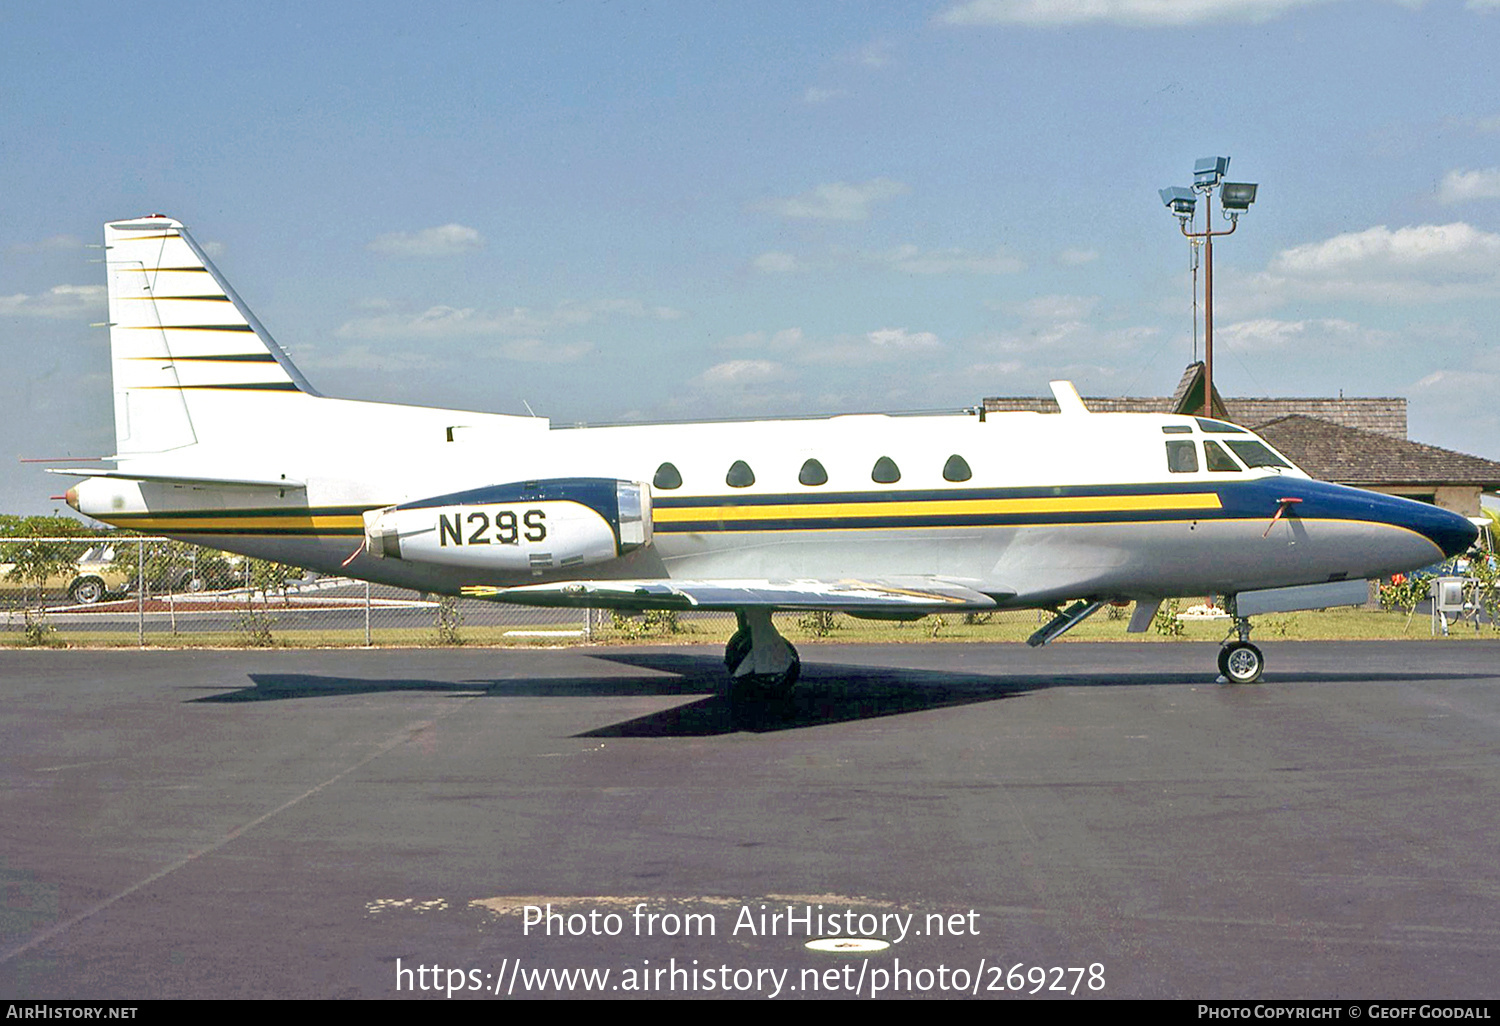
(739,373)
(1003,369)
(787,338)
(875,55)
(58,302)
(1077,257)
(884,345)
(837,201)
(901,340)
(363,358)
(444,240)
(55,244)
(1061,338)
(1265,333)
(1459,186)
(776,263)
(1057,308)
(536,350)
(912,260)
(1145,13)
(1379,246)
(438,322)
(623,308)
(816,95)
(522,350)
(1421,263)
(1057,328)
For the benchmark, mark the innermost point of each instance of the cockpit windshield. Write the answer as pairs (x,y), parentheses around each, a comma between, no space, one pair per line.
(1183,454)
(1255,454)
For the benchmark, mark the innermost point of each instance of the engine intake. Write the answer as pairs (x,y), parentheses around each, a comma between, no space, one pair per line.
(558,523)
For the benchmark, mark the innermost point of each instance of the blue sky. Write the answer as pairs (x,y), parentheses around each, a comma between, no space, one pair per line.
(624,211)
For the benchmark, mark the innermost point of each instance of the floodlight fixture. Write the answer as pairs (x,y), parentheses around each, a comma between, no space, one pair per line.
(1236,197)
(1179,200)
(1209,171)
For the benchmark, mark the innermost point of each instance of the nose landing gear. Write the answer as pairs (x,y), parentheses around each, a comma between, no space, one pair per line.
(1239,661)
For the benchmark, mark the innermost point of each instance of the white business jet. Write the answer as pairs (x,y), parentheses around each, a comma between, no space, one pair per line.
(221,441)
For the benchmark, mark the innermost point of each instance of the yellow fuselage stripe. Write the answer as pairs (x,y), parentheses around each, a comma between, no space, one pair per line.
(799,511)
(168,522)
(949,507)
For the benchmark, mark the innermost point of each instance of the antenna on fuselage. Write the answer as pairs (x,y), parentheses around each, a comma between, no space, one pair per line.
(1068,399)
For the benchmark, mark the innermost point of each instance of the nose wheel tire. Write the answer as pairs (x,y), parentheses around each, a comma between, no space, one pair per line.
(1241,663)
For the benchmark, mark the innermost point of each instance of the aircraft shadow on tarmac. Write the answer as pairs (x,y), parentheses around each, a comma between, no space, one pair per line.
(827,693)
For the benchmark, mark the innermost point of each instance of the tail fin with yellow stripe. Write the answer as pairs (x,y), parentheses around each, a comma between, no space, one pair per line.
(189,359)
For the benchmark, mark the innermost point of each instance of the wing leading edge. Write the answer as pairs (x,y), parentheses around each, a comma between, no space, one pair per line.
(888,595)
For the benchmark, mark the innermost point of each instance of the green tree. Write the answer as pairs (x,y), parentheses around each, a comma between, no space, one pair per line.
(33,563)
(266,576)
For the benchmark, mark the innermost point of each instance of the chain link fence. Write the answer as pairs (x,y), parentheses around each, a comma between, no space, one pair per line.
(113,590)
(118,590)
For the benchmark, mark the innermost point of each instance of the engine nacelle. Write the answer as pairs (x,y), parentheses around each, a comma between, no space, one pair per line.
(552,524)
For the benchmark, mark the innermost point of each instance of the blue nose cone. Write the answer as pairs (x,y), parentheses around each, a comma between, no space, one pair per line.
(1457,538)
(1447,530)
(1450,532)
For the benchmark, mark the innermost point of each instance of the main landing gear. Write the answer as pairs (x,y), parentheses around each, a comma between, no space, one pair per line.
(1239,661)
(762,664)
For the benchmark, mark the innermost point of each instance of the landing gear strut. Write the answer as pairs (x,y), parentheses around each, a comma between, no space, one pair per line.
(762,664)
(1239,661)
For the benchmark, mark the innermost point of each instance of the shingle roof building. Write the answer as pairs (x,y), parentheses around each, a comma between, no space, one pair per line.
(1369,459)
(1359,441)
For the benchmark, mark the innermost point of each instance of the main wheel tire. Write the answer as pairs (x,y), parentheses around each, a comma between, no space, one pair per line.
(737,649)
(1242,663)
(759,690)
(784,684)
(87,591)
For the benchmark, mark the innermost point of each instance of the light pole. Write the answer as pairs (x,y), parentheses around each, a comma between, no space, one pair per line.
(1235,198)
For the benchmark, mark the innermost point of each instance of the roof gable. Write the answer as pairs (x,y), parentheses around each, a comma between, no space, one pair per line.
(1333,452)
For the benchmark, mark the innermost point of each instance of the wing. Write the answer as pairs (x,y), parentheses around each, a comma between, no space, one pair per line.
(882,595)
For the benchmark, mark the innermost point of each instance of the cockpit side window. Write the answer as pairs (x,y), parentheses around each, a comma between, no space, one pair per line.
(1255,454)
(1182,457)
(1218,459)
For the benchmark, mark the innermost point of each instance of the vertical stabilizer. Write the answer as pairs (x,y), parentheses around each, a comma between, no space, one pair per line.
(185,352)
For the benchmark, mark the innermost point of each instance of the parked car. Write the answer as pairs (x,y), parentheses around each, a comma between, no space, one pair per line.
(92,577)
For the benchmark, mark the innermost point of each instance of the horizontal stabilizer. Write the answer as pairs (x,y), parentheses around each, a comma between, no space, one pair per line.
(932,595)
(184,478)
